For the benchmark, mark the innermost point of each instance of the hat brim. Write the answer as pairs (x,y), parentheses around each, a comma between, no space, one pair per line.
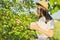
(37,3)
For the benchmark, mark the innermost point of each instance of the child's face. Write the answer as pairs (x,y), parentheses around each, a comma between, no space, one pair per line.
(38,10)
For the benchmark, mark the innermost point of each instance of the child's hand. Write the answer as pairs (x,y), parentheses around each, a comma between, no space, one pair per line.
(34,26)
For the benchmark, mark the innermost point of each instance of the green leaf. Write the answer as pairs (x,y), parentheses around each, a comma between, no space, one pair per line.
(51,2)
(55,9)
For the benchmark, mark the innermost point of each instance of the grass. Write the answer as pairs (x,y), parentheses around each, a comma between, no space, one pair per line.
(56,30)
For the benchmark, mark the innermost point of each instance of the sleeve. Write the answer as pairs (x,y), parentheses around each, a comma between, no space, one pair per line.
(39,23)
(45,26)
(42,24)
(51,26)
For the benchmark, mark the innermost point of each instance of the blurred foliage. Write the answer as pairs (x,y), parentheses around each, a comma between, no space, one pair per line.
(54,5)
(10,30)
(18,6)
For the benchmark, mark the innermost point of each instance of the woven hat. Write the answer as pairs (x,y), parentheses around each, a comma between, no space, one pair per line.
(43,4)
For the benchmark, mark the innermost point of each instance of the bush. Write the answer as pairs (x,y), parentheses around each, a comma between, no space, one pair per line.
(10,30)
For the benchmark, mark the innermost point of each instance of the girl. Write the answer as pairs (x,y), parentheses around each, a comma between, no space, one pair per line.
(45,23)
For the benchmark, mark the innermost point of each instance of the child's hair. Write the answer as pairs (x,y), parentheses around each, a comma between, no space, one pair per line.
(46,14)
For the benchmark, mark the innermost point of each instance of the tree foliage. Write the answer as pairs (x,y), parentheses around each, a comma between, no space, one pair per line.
(54,5)
(10,30)
(18,6)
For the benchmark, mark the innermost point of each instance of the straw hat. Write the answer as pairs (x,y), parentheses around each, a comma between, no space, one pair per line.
(43,4)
